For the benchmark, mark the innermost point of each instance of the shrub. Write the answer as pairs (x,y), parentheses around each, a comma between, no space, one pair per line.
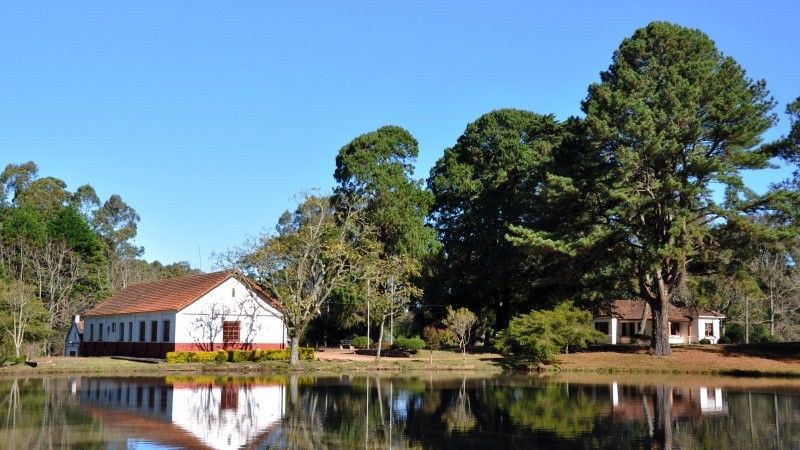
(306,353)
(177,357)
(540,335)
(203,356)
(410,345)
(235,356)
(189,357)
(11,361)
(242,355)
(222,357)
(704,341)
(361,342)
(274,355)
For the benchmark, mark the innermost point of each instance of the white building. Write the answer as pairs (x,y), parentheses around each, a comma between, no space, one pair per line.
(687,325)
(221,310)
(72,344)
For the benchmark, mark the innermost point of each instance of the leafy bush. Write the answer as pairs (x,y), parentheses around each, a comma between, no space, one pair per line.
(439,337)
(237,356)
(540,335)
(410,345)
(306,353)
(273,355)
(242,355)
(11,361)
(177,357)
(222,357)
(188,357)
(704,341)
(361,342)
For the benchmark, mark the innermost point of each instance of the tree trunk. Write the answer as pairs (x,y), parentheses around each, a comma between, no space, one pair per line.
(643,322)
(294,350)
(663,418)
(380,341)
(747,319)
(659,344)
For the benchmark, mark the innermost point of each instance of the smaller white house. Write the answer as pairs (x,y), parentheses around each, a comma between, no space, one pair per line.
(687,324)
(72,345)
(220,310)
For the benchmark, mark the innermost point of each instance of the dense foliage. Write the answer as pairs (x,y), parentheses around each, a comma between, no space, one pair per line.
(524,224)
(61,253)
(540,335)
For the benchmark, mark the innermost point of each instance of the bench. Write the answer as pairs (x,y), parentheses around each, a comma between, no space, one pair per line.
(346,343)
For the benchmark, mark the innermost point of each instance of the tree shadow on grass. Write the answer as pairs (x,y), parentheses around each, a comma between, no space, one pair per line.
(778,351)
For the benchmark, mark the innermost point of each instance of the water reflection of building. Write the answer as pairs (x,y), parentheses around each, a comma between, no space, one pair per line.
(187,414)
(636,402)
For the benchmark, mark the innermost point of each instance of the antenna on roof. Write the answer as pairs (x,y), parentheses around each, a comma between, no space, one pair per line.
(200,259)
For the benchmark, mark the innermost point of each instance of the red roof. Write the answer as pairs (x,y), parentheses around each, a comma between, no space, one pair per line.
(172,294)
(634,310)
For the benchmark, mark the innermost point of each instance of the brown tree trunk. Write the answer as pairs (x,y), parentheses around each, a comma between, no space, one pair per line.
(662,438)
(659,344)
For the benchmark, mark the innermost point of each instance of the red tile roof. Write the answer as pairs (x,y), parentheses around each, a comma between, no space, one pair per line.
(634,310)
(172,294)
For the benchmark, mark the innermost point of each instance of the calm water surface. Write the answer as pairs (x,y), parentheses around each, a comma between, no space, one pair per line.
(402,412)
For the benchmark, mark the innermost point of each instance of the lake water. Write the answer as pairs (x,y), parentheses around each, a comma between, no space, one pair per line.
(435,411)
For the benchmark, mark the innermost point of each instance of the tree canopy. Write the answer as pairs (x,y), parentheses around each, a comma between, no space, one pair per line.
(672,118)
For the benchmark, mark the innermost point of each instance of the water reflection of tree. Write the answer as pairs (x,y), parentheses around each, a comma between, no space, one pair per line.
(754,420)
(459,417)
(556,408)
(42,414)
(356,413)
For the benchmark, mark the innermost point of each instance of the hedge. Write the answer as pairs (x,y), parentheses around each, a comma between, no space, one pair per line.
(410,345)
(361,342)
(237,356)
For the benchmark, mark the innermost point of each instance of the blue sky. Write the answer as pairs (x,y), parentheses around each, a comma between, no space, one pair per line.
(208,117)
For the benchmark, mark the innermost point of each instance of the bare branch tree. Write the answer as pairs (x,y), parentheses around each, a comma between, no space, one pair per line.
(311,254)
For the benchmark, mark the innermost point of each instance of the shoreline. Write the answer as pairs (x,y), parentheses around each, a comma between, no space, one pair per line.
(706,360)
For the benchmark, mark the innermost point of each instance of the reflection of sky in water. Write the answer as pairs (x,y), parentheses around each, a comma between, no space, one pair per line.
(140,444)
(400,404)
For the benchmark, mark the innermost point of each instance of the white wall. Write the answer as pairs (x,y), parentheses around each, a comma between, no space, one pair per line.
(701,329)
(112,332)
(230,301)
(73,341)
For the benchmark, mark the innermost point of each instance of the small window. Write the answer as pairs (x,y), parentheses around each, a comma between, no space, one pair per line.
(165,332)
(114,327)
(141,330)
(130,331)
(709,329)
(233,292)
(121,331)
(91,331)
(601,327)
(675,328)
(154,331)
(230,331)
(100,334)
